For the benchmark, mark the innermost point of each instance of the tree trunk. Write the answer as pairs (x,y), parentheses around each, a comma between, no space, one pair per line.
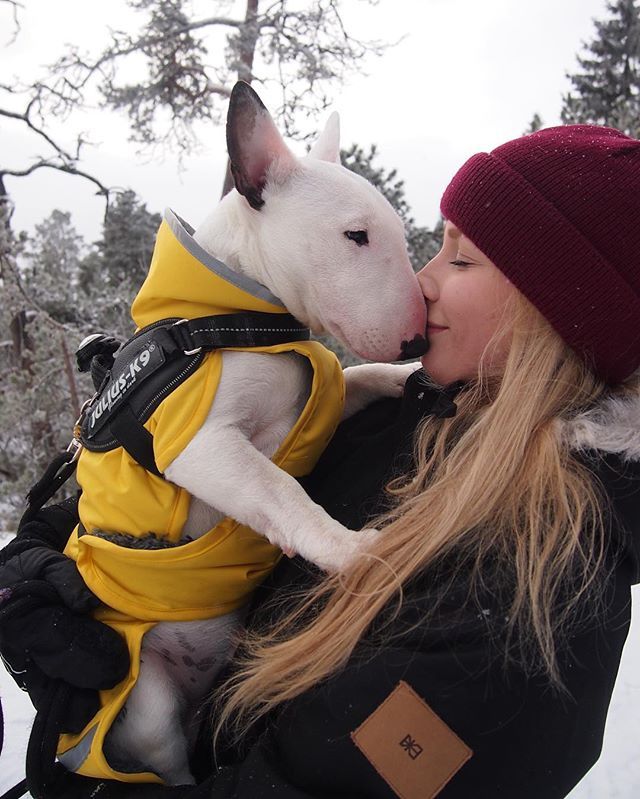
(68,368)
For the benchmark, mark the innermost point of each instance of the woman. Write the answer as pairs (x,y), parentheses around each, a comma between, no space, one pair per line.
(473,652)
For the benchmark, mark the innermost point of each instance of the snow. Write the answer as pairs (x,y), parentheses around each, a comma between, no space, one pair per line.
(18,715)
(615,776)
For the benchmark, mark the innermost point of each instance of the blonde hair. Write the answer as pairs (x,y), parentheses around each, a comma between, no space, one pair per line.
(497,480)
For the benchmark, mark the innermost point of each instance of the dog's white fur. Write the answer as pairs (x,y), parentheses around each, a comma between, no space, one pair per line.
(368,297)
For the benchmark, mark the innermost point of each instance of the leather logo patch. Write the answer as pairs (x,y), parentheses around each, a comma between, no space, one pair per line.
(411,748)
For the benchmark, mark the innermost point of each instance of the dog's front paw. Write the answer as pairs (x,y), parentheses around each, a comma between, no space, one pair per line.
(343,553)
(395,376)
(368,382)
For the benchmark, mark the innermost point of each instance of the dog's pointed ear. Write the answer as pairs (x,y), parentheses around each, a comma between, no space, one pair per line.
(254,144)
(327,147)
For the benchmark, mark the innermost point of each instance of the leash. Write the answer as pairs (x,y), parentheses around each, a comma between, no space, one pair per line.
(21,788)
(16,792)
(95,353)
(40,762)
(41,765)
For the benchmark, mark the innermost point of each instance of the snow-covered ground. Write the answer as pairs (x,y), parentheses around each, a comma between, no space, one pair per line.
(615,776)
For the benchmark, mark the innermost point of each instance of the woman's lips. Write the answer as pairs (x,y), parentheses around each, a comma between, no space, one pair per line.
(435,329)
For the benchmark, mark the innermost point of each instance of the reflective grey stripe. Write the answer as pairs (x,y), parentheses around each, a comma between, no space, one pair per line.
(73,758)
(184,233)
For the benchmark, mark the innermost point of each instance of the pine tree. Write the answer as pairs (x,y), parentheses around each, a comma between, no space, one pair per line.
(41,392)
(114,271)
(51,268)
(124,250)
(606,91)
(61,295)
(535,124)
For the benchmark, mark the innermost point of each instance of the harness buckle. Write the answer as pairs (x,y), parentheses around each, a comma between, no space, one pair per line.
(187,352)
(75,448)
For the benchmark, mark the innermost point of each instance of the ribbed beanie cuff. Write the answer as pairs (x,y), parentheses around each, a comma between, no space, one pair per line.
(586,298)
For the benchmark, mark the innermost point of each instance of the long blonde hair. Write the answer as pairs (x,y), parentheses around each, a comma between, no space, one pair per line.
(496,480)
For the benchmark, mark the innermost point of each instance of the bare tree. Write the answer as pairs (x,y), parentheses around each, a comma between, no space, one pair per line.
(55,156)
(35,100)
(14,6)
(306,51)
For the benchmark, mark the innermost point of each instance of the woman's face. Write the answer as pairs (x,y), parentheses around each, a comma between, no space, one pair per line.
(465,296)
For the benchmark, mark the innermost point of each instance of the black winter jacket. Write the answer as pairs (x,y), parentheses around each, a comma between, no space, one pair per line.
(497,731)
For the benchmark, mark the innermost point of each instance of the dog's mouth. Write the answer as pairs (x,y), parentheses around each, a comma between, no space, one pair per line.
(334,329)
(409,349)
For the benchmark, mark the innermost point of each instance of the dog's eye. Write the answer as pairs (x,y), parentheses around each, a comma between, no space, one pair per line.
(360,237)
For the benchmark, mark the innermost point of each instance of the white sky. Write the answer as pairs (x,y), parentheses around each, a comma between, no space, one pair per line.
(468,75)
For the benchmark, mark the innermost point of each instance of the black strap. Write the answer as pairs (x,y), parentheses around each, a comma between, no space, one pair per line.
(17,791)
(43,741)
(134,438)
(55,475)
(243,329)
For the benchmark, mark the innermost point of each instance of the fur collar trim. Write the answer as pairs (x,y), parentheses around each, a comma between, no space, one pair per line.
(613,426)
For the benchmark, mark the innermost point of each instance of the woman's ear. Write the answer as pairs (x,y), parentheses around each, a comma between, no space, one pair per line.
(254,144)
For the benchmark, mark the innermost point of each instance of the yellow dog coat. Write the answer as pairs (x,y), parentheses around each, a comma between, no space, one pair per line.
(216,573)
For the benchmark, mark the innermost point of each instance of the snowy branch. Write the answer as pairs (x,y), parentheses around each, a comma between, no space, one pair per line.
(15,5)
(307,50)
(61,160)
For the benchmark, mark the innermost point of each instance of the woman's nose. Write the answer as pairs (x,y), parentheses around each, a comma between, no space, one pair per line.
(428,283)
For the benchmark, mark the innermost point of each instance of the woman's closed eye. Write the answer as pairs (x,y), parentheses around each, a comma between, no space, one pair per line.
(460,263)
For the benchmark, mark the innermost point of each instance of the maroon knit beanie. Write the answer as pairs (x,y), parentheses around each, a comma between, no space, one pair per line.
(558,212)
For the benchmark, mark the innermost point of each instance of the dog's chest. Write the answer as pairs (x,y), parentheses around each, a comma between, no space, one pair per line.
(263,395)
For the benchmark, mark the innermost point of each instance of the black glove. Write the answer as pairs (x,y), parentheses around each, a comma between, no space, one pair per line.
(46,632)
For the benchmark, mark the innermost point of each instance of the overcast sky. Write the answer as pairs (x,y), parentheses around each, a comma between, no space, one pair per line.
(467,76)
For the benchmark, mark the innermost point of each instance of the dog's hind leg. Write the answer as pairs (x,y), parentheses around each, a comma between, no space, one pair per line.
(149,735)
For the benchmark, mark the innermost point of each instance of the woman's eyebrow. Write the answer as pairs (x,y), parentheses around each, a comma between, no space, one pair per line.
(452,231)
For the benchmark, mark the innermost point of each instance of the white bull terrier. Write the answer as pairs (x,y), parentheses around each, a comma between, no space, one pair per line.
(331,247)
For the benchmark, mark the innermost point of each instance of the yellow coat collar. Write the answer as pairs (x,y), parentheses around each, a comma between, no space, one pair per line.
(185,281)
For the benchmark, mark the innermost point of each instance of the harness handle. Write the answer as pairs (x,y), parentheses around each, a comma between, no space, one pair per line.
(96,353)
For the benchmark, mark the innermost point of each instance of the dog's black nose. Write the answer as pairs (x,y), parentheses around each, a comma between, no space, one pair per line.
(413,349)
